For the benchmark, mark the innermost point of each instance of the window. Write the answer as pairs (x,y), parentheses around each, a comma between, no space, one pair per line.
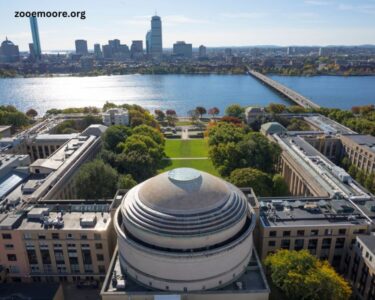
(273,233)
(41,237)
(99,257)
(298,244)
(313,243)
(340,243)
(98,246)
(300,232)
(314,232)
(12,257)
(69,236)
(342,231)
(7,236)
(286,233)
(285,244)
(27,236)
(326,244)
(101,269)
(271,243)
(97,236)
(83,236)
(55,236)
(9,246)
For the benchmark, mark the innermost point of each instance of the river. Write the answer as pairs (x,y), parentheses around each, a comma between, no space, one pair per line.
(180,92)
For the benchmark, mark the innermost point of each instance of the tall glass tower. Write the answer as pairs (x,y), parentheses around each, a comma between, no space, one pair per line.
(156,44)
(36,40)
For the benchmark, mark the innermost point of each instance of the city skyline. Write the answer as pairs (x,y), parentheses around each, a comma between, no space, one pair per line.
(249,23)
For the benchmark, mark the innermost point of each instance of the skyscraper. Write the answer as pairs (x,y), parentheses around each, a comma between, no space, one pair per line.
(98,51)
(81,47)
(36,40)
(182,49)
(136,49)
(154,43)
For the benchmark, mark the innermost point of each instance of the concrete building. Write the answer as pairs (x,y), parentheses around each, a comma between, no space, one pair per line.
(324,226)
(181,49)
(98,51)
(81,47)
(252,113)
(9,52)
(360,149)
(360,267)
(56,242)
(54,177)
(202,51)
(185,233)
(136,49)
(5,131)
(154,38)
(37,53)
(116,116)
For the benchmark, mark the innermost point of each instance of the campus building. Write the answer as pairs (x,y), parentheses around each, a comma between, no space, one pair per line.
(116,116)
(185,233)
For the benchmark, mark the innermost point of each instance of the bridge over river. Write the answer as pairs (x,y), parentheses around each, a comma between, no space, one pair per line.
(285,91)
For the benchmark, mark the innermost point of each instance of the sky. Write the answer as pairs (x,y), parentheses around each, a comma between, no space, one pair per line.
(208,22)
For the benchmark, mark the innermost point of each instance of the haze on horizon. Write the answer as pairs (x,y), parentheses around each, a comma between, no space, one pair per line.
(211,23)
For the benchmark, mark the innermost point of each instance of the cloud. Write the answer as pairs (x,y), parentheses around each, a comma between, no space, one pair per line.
(363,9)
(244,15)
(318,2)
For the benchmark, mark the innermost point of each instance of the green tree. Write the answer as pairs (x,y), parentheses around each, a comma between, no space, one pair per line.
(160,115)
(256,179)
(114,135)
(31,113)
(276,108)
(201,111)
(235,110)
(96,180)
(126,182)
(353,171)
(299,275)
(225,133)
(279,186)
(370,182)
(360,177)
(151,132)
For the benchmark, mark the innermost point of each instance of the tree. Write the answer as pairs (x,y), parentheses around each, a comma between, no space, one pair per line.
(171,112)
(151,132)
(225,133)
(370,182)
(31,113)
(235,110)
(353,171)
(299,275)
(256,179)
(214,111)
(96,180)
(114,135)
(279,186)
(276,108)
(360,176)
(298,125)
(126,182)
(193,114)
(201,111)
(233,120)
(160,115)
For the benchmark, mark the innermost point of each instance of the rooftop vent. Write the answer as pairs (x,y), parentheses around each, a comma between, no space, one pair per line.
(88,220)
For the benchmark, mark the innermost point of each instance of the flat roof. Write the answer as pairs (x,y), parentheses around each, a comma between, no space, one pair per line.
(363,140)
(369,241)
(37,291)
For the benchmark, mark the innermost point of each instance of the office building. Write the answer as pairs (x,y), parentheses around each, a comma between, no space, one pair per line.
(181,49)
(202,51)
(36,39)
(81,47)
(207,253)
(136,49)
(9,52)
(154,38)
(57,242)
(98,51)
(360,267)
(107,51)
(116,116)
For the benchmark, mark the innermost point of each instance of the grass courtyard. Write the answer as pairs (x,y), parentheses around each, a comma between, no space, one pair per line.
(188,153)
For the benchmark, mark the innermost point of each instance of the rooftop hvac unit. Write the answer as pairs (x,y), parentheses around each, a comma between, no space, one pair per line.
(88,221)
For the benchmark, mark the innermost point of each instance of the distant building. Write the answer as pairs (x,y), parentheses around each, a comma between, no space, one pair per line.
(115,50)
(154,39)
(36,39)
(252,113)
(116,116)
(98,51)
(136,49)
(107,51)
(182,49)
(228,51)
(9,52)
(32,51)
(81,47)
(202,51)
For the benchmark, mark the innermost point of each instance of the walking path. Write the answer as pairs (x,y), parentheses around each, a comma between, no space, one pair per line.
(184,158)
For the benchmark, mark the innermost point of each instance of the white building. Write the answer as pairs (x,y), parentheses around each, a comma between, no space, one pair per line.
(185,233)
(116,116)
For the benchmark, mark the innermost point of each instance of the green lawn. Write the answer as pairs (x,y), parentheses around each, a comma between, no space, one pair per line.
(186,148)
(190,149)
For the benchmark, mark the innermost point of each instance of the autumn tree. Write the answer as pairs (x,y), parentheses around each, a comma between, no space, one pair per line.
(214,111)
(299,275)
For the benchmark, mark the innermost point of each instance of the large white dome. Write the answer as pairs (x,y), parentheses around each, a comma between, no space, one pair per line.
(173,227)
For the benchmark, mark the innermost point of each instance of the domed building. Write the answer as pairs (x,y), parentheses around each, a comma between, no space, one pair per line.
(9,52)
(183,231)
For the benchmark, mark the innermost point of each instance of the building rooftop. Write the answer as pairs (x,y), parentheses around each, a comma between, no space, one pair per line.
(364,140)
(302,211)
(327,125)
(30,291)
(369,241)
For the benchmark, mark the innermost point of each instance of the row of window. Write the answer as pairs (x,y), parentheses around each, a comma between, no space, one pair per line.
(299,244)
(313,232)
(57,236)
